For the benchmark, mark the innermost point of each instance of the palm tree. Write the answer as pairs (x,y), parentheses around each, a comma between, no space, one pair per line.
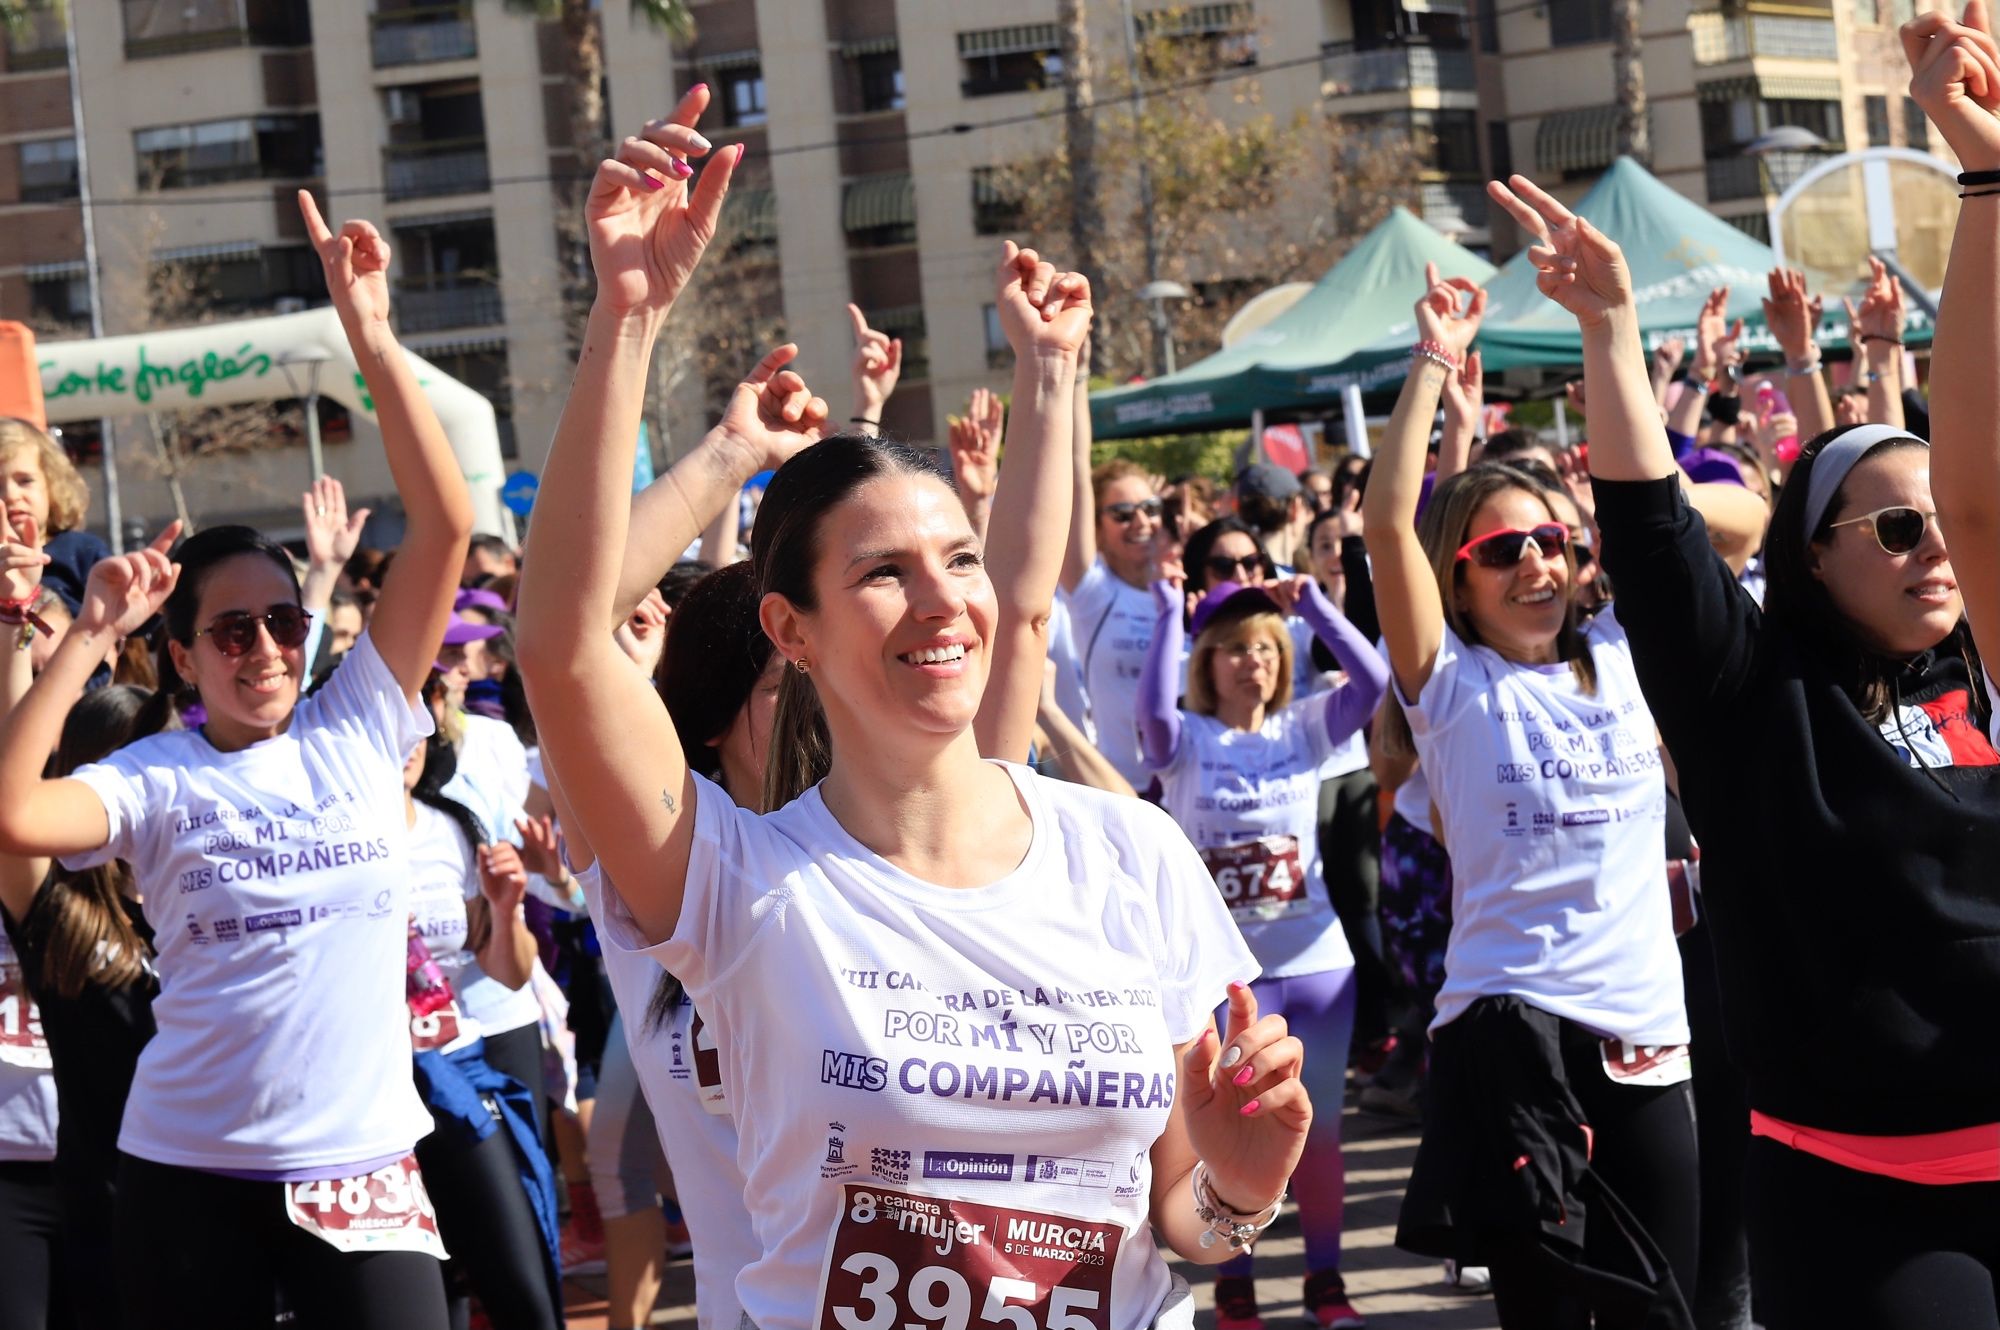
(1086,219)
(585,40)
(1635,138)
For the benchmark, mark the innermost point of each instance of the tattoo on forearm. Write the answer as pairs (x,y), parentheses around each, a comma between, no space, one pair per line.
(673,805)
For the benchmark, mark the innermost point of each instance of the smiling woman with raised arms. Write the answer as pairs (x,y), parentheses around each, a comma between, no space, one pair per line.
(963,1018)
(1562,994)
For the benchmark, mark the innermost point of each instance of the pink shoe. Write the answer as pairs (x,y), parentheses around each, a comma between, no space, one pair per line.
(1326,1299)
(1236,1304)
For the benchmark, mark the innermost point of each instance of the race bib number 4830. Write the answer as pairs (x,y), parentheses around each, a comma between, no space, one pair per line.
(902,1261)
(387,1210)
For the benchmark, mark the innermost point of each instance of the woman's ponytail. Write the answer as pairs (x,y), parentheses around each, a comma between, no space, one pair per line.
(801,751)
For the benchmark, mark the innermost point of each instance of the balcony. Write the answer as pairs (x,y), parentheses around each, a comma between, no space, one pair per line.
(37,41)
(442,166)
(423,36)
(153,29)
(1719,39)
(1347,72)
(1453,206)
(433,301)
(1731,178)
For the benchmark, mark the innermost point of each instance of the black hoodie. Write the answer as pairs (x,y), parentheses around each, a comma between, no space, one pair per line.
(1852,876)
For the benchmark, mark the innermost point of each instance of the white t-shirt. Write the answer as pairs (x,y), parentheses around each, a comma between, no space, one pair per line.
(27,1085)
(682,1085)
(492,775)
(1413,800)
(1112,623)
(1070,693)
(276,880)
(1250,804)
(1553,805)
(898,1054)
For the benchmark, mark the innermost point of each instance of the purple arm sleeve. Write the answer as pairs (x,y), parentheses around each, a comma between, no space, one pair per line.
(1367,672)
(1682,444)
(1159,712)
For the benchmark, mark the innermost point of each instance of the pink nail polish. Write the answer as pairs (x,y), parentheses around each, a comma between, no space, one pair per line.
(1244,1077)
(699,87)
(651,183)
(680,168)
(742,151)
(1248,1108)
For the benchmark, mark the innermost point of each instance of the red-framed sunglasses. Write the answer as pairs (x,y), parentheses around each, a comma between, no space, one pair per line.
(1504,548)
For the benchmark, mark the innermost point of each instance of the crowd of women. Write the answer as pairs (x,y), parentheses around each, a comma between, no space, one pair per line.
(976,894)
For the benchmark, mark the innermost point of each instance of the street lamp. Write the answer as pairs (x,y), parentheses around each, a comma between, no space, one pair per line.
(1157,294)
(311,365)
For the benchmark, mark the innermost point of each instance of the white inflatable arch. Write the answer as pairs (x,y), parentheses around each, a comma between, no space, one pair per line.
(216,364)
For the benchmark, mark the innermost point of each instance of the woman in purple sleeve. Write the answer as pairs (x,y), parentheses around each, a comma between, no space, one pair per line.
(1239,763)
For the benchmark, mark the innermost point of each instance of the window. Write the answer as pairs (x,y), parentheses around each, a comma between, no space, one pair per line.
(259,281)
(1001,60)
(1574,22)
(59,300)
(1447,141)
(743,97)
(260,147)
(1875,110)
(48,171)
(999,354)
(1916,129)
(1499,151)
(1487,18)
(154,28)
(881,81)
(996,210)
(1822,118)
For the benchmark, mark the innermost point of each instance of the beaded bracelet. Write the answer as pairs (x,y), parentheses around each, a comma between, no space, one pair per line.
(1437,352)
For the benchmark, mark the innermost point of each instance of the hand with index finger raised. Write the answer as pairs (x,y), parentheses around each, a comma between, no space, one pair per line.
(21,563)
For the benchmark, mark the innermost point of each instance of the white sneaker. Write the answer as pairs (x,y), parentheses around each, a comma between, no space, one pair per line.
(1467,1278)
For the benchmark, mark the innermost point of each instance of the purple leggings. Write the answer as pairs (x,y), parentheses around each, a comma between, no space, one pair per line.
(1319,1008)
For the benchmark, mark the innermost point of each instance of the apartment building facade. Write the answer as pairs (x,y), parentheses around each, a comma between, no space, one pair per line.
(872,128)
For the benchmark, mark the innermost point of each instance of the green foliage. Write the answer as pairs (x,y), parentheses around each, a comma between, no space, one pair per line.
(673,17)
(1211,455)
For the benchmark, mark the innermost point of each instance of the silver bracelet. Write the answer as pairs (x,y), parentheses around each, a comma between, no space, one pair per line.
(1800,371)
(1225,1224)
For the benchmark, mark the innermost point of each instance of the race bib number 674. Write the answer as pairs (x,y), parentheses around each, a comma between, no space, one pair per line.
(903,1261)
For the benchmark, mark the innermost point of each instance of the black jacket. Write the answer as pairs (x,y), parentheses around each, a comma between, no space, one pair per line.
(1854,895)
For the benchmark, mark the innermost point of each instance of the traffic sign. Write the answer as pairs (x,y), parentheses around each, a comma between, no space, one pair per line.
(519,492)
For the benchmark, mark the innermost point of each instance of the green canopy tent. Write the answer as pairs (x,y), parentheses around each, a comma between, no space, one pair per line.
(1678,252)
(1362,299)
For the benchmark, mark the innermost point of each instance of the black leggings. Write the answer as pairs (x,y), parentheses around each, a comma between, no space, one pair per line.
(198,1251)
(29,1217)
(1350,847)
(1722,1127)
(488,1227)
(1645,1152)
(1831,1248)
(518,1053)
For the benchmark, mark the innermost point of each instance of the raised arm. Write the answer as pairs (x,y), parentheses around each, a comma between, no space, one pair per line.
(1464,398)
(1407,603)
(332,536)
(50,818)
(415,605)
(1367,673)
(1159,710)
(1711,337)
(21,567)
(506,949)
(1046,315)
(1876,332)
(1071,749)
(1583,270)
(1793,318)
(1666,359)
(1956,78)
(878,364)
(1082,551)
(601,726)
(975,456)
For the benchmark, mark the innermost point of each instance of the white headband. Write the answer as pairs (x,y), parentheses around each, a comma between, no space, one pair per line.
(1832,463)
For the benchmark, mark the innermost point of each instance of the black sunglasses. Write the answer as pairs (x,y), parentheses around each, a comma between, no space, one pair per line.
(1223,565)
(1123,513)
(236,632)
(1898,530)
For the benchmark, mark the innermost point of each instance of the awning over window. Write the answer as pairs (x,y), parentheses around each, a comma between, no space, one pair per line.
(1199,20)
(457,218)
(753,213)
(218,253)
(883,200)
(49,272)
(458,346)
(749,59)
(901,320)
(1794,88)
(869,46)
(1582,139)
(1010,41)
(1741,89)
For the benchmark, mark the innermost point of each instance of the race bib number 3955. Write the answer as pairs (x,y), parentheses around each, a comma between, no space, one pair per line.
(902,1261)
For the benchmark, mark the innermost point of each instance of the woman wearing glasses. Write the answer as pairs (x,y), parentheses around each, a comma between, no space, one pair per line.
(267,1142)
(1853,912)
(1239,766)
(1562,1002)
(1113,551)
